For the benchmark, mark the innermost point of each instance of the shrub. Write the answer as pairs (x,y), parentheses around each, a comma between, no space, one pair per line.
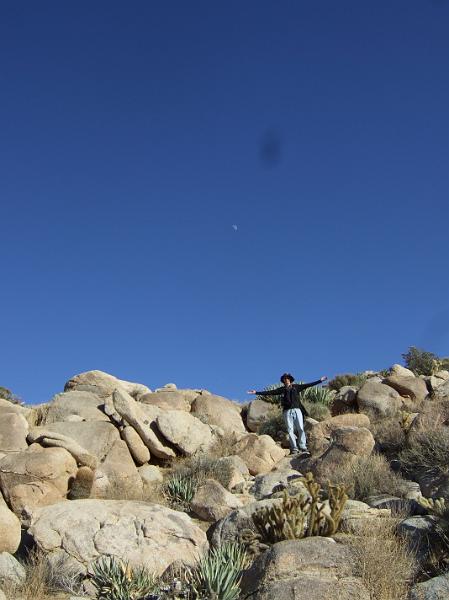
(339,381)
(317,411)
(114,579)
(368,476)
(274,425)
(389,434)
(427,450)
(272,399)
(421,362)
(6,394)
(384,561)
(318,395)
(219,572)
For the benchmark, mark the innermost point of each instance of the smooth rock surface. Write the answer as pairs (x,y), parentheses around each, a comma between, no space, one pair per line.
(378,398)
(213,502)
(184,431)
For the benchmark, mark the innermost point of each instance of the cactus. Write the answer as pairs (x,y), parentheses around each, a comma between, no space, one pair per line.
(301,516)
(435,507)
(82,484)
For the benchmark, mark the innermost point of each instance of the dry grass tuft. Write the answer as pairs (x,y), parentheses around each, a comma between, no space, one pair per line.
(383,560)
(368,476)
(44,580)
(427,449)
(389,435)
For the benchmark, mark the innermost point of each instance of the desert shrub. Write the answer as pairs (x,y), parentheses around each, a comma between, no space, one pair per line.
(384,561)
(368,476)
(274,425)
(272,399)
(317,411)
(6,394)
(114,579)
(318,395)
(389,434)
(43,578)
(189,474)
(421,362)
(219,572)
(427,450)
(339,381)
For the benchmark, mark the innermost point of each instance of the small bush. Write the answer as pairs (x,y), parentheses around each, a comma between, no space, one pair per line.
(219,572)
(339,381)
(272,399)
(274,425)
(114,579)
(317,411)
(318,395)
(369,476)
(6,394)
(389,434)
(428,450)
(383,560)
(421,362)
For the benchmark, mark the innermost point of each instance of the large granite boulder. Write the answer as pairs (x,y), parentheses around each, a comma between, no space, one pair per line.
(442,391)
(413,387)
(259,452)
(187,433)
(319,433)
(309,569)
(35,477)
(52,439)
(140,533)
(168,399)
(345,400)
(13,432)
(117,475)
(259,411)
(64,406)
(136,447)
(264,486)
(379,399)
(400,371)
(143,418)
(436,588)
(213,502)
(216,410)
(103,384)
(10,530)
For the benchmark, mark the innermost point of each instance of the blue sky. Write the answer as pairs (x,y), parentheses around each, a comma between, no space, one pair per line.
(135,135)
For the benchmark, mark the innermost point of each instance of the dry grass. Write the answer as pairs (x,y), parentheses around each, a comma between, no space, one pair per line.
(384,560)
(44,581)
(427,449)
(389,435)
(368,476)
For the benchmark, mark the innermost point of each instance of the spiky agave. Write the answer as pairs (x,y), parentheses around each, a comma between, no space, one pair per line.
(180,489)
(115,579)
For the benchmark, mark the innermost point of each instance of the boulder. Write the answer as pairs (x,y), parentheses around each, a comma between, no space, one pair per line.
(348,443)
(413,387)
(237,469)
(10,530)
(151,477)
(213,502)
(35,477)
(307,569)
(436,588)
(143,418)
(216,410)
(136,447)
(13,432)
(259,411)
(48,438)
(11,570)
(442,374)
(381,399)
(400,371)
(265,486)
(442,391)
(168,399)
(260,453)
(137,532)
(356,514)
(420,534)
(103,384)
(345,400)
(117,475)
(184,431)
(319,433)
(86,405)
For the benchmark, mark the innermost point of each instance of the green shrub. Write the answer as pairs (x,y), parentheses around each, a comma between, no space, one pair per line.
(318,395)
(219,572)
(179,489)
(272,399)
(114,579)
(274,425)
(339,381)
(421,362)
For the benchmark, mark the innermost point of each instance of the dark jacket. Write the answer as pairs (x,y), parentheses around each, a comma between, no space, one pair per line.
(290,396)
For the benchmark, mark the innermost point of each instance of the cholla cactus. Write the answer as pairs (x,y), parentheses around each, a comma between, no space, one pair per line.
(435,506)
(301,516)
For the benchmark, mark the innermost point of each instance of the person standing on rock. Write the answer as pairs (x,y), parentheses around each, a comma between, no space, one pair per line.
(292,408)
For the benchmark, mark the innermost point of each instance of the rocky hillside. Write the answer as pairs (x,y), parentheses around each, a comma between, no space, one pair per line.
(110,477)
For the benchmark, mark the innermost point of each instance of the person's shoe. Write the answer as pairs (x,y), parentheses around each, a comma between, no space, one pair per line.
(304,451)
(294,452)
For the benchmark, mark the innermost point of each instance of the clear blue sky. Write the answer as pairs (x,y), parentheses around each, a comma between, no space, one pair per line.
(133,136)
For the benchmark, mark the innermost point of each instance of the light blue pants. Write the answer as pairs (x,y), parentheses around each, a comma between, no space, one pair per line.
(295,428)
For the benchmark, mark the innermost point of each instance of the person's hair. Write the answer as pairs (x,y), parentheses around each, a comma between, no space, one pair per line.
(287,376)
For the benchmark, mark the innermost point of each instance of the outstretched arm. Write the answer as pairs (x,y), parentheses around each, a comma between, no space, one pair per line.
(303,386)
(276,392)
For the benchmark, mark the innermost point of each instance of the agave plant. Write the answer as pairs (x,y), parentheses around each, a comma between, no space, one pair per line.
(319,395)
(114,579)
(180,489)
(219,572)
